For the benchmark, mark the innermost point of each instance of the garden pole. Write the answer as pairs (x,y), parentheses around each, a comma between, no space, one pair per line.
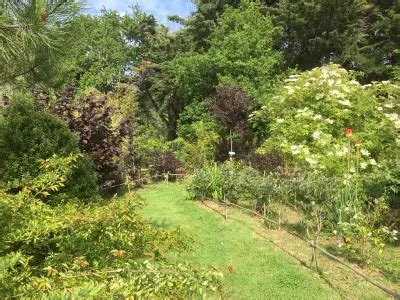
(129,184)
(226,208)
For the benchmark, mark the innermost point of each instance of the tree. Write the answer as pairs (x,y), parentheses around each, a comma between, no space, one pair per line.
(30,31)
(360,35)
(240,53)
(100,54)
(200,25)
(242,47)
(231,107)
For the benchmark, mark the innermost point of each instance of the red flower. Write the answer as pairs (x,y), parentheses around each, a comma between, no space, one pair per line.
(348,132)
(358,143)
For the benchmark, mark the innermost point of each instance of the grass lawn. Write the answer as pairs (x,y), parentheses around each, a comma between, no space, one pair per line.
(252,267)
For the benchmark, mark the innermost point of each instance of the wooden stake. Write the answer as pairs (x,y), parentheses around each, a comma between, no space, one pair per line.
(129,184)
(226,209)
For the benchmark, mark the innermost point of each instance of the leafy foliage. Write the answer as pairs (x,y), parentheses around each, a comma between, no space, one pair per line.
(365,234)
(27,135)
(94,250)
(311,38)
(242,46)
(91,119)
(99,53)
(312,111)
(231,107)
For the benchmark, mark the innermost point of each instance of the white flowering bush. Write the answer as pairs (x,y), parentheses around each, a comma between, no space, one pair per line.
(326,122)
(308,118)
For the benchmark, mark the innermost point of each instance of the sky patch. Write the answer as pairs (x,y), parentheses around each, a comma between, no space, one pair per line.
(161,9)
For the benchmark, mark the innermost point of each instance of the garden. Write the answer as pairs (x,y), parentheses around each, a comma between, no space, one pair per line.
(251,152)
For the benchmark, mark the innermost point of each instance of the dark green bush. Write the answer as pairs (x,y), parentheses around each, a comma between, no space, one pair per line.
(27,135)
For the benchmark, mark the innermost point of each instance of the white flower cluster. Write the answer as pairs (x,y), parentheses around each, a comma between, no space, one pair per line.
(299,149)
(394,117)
(345,102)
(393,233)
(292,78)
(304,113)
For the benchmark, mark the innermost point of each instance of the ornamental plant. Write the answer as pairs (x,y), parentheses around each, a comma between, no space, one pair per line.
(29,135)
(308,117)
(91,118)
(96,250)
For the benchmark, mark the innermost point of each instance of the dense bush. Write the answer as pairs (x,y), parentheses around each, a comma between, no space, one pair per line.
(198,148)
(27,135)
(235,181)
(90,117)
(165,162)
(365,233)
(230,181)
(272,162)
(85,251)
(310,114)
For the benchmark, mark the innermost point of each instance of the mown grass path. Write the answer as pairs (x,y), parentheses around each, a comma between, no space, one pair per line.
(253,268)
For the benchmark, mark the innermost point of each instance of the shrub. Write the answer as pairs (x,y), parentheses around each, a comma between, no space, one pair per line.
(91,250)
(309,116)
(28,135)
(231,181)
(91,119)
(271,162)
(205,183)
(198,148)
(161,163)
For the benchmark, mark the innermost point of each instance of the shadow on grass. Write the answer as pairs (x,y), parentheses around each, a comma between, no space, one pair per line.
(161,224)
(299,228)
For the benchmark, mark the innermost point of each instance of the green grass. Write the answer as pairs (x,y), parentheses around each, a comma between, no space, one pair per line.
(260,270)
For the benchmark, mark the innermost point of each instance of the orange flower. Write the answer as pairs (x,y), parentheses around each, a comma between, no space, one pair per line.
(348,132)
(358,143)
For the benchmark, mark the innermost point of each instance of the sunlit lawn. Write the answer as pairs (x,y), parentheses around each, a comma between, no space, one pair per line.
(253,269)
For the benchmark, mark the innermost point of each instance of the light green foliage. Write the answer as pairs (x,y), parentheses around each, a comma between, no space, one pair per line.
(200,148)
(241,53)
(310,114)
(198,135)
(27,135)
(205,184)
(52,175)
(231,181)
(98,55)
(242,49)
(124,104)
(97,250)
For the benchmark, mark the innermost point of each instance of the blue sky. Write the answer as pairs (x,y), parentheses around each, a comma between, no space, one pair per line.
(161,9)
